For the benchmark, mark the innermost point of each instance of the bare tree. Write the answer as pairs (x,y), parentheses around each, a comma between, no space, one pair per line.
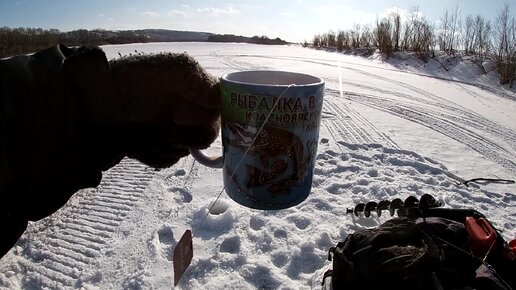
(468,34)
(366,37)
(443,31)
(423,38)
(455,25)
(331,39)
(396,32)
(355,36)
(383,36)
(513,53)
(477,37)
(410,27)
(504,46)
(342,40)
(449,30)
(324,40)
(316,42)
(479,41)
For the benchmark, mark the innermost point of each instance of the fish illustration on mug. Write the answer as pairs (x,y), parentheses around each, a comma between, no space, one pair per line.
(277,151)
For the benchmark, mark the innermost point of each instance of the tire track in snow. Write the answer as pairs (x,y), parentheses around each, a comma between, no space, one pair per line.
(325,62)
(435,121)
(346,124)
(151,225)
(363,127)
(455,113)
(235,62)
(64,253)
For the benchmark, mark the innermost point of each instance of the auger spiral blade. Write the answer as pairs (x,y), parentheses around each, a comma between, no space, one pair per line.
(382,205)
(428,201)
(359,208)
(369,207)
(411,201)
(411,206)
(396,204)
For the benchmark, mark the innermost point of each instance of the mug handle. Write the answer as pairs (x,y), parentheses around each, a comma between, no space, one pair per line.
(209,161)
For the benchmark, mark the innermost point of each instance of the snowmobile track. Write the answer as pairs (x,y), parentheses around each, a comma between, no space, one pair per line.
(67,254)
(349,126)
(442,124)
(342,64)
(452,112)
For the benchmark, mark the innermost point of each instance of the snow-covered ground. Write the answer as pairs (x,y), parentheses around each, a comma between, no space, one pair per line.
(389,130)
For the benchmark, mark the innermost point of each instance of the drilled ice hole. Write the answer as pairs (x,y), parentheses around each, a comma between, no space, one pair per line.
(219,207)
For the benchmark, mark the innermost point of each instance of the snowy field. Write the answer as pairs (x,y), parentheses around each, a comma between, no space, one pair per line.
(388,130)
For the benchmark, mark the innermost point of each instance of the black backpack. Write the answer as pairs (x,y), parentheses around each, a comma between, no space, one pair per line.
(423,253)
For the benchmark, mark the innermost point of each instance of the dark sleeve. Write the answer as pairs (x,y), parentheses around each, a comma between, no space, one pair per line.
(45,152)
(66,115)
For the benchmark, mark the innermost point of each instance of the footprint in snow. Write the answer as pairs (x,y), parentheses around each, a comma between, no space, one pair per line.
(256,223)
(300,221)
(166,242)
(230,245)
(181,194)
(180,172)
(279,259)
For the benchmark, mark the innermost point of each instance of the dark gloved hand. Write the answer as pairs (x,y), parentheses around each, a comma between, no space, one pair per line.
(66,114)
(182,111)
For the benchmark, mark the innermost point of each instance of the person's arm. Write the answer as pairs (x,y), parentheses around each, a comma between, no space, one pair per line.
(66,114)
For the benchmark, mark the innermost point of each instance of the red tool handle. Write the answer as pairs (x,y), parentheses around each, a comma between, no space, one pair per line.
(512,246)
(481,235)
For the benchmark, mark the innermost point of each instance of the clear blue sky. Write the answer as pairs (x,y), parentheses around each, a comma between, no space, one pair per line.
(293,20)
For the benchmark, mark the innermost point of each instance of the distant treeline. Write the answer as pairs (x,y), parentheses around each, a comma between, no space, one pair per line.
(238,38)
(473,35)
(22,40)
(26,40)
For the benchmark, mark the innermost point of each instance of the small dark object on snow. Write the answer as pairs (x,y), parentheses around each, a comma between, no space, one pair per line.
(412,206)
(183,254)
